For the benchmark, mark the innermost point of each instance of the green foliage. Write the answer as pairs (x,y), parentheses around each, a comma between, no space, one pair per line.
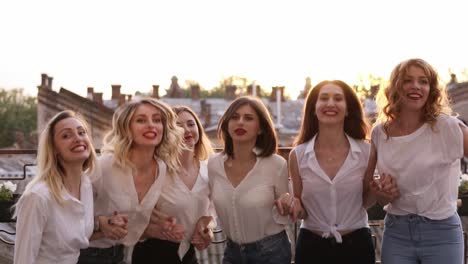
(18,113)
(5,194)
(463,188)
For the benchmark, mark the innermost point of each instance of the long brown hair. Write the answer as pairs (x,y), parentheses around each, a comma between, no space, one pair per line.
(354,124)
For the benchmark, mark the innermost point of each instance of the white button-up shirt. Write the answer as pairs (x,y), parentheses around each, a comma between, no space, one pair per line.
(425,165)
(114,190)
(186,205)
(49,232)
(247,212)
(333,205)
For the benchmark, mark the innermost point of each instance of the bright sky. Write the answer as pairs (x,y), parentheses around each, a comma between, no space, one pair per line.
(141,43)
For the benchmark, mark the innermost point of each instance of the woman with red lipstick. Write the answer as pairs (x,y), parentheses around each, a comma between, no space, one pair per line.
(141,147)
(246,179)
(420,145)
(327,169)
(55,212)
(186,199)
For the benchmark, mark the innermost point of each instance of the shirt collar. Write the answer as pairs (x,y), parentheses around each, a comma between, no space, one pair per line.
(255,150)
(352,143)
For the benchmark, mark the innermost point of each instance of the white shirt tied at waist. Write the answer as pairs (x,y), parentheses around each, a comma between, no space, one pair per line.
(247,212)
(48,232)
(114,190)
(186,205)
(333,205)
(333,231)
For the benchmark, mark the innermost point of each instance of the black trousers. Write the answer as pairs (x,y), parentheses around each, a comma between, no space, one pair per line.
(357,248)
(112,255)
(161,251)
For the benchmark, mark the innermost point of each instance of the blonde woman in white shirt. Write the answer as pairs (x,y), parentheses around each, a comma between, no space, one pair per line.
(327,169)
(143,144)
(246,179)
(417,147)
(186,199)
(55,212)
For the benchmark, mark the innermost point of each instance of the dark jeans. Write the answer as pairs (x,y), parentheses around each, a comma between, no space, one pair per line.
(161,251)
(357,247)
(112,255)
(274,249)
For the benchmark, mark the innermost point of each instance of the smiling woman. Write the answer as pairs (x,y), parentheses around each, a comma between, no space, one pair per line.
(420,197)
(138,152)
(57,205)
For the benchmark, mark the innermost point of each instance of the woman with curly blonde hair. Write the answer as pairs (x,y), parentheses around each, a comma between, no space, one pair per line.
(55,212)
(416,148)
(142,146)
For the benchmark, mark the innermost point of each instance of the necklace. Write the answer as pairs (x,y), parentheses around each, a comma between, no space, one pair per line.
(330,159)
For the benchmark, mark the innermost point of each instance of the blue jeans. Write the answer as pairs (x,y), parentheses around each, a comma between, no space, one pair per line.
(414,239)
(274,249)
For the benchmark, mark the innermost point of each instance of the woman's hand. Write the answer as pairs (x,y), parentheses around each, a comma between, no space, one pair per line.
(284,204)
(290,205)
(164,227)
(203,234)
(385,189)
(114,227)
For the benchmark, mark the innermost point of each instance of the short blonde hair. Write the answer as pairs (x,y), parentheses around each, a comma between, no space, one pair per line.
(119,141)
(389,98)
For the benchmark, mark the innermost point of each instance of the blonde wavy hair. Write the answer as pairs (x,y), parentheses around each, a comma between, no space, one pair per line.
(119,140)
(203,148)
(50,170)
(389,99)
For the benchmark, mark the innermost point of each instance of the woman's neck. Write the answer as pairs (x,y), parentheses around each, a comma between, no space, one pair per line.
(72,179)
(331,137)
(141,157)
(243,152)
(187,158)
(408,122)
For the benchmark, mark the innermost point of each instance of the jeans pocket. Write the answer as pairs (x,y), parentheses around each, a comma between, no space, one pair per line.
(278,250)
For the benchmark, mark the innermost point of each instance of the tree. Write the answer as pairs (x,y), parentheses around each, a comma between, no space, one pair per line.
(18,114)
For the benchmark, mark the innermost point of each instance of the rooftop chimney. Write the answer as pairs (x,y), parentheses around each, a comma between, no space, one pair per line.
(156,91)
(97,97)
(49,82)
(122,99)
(116,92)
(43,81)
(90,93)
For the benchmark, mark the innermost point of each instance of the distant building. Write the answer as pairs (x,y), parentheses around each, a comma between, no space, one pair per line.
(458,94)
(98,112)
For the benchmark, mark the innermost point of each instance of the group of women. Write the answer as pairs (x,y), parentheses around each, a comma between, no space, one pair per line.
(157,190)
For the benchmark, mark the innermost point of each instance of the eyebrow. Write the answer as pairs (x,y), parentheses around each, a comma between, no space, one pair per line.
(68,128)
(143,115)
